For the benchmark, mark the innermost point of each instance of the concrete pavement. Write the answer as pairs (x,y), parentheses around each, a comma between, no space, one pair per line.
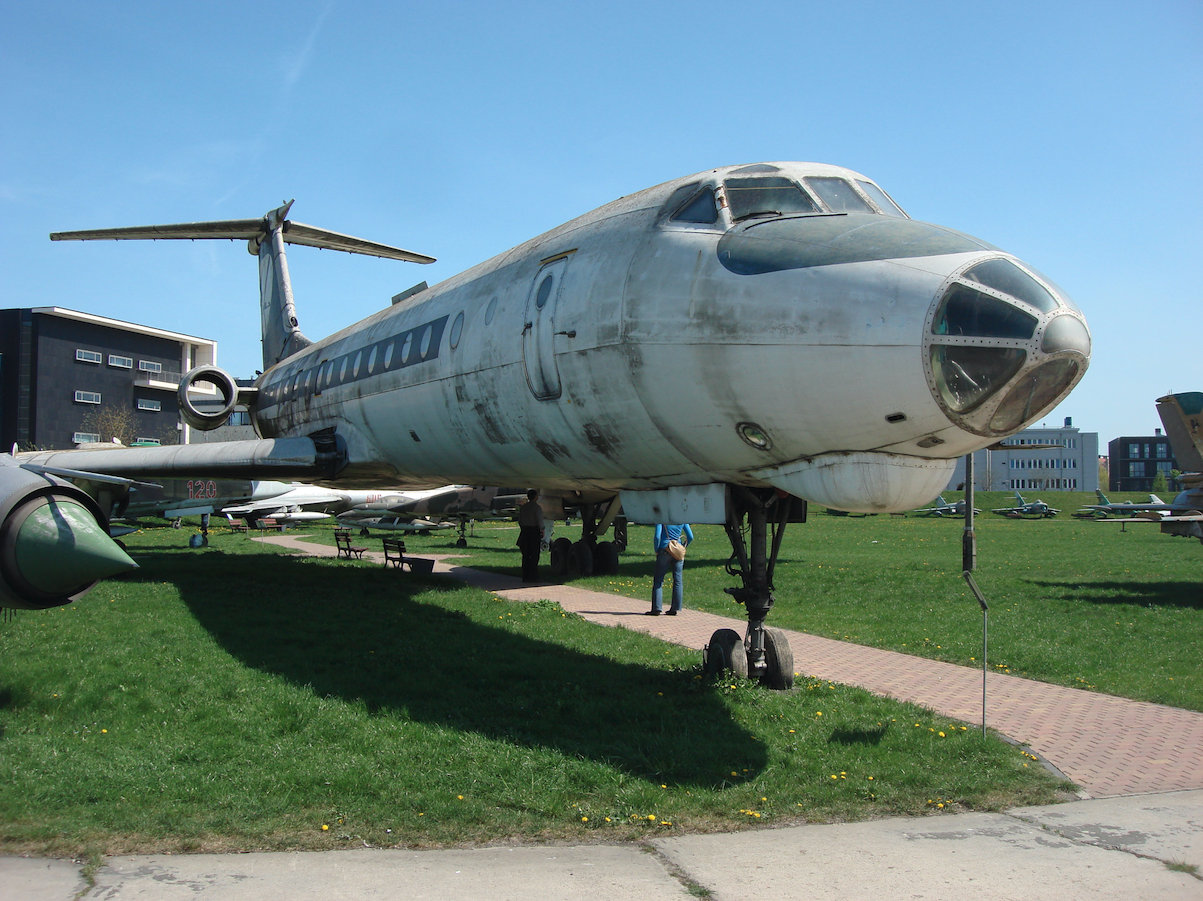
(1134,848)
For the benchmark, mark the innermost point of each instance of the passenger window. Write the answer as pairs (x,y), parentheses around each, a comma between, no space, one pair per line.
(766,196)
(839,195)
(701,209)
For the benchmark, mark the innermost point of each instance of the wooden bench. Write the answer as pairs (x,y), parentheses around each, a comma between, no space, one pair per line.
(268,522)
(342,538)
(394,552)
(239,525)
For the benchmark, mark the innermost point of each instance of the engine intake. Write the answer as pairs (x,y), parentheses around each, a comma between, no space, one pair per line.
(231,395)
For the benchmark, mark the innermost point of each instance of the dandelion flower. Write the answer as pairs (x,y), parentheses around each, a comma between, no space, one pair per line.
(459,797)
(325,827)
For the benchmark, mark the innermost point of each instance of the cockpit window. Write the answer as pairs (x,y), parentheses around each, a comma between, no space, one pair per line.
(839,195)
(1005,276)
(766,197)
(701,208)
(879,197)
(969,313)
(967,376)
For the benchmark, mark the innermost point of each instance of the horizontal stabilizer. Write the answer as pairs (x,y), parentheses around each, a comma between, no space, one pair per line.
(249,230)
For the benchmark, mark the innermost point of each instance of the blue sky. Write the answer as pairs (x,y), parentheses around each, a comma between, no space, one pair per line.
(1066,133)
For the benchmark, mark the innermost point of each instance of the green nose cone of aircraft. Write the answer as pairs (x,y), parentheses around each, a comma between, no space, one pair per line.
(61,549)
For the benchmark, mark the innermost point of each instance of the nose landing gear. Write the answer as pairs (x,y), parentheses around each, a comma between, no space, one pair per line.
(764,654)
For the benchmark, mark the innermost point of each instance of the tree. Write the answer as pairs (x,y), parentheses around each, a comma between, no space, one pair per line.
(1159,483)
(111,422)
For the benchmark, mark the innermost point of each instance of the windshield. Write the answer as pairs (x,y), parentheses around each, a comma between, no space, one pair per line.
(766,196)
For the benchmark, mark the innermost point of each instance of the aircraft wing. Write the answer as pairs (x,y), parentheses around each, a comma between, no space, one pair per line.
(267,458)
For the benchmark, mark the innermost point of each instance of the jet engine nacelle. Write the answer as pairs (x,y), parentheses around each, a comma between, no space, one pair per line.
(211,417)
(54,541)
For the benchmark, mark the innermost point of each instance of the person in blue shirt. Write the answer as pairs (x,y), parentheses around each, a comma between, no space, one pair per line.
(665,562)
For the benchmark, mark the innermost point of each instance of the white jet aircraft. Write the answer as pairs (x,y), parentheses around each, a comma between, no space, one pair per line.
(720,348)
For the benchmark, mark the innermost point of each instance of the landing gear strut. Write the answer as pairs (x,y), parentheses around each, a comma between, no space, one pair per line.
(589,556)
(768,655)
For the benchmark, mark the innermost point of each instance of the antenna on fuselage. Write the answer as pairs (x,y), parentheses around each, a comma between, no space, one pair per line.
(266,238)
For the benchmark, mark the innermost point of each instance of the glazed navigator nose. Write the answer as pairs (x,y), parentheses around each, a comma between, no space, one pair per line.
(1003,346)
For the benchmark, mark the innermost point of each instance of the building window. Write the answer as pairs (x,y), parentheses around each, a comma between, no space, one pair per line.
(87,397)
(1133,450)
(148,366)
(239,417)
(1163,452)
(1136,470)
(121,362)
(85,437)
(153,406)
(88,356)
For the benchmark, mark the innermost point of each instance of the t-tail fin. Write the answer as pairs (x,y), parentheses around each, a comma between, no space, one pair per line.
(1102,497)
(266,236)
(1182,416)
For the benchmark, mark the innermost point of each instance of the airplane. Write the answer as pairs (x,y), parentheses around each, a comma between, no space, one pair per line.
(1182,416)
(721,348)
(1154,505)
(308,503)
(392,522)
(943,508)
(1036,508)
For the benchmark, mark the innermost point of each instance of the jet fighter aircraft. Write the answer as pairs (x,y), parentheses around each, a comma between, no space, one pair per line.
(1022,508)
(721,348)
(943,508)
(1154,505)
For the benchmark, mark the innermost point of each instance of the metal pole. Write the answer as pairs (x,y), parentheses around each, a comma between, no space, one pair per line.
(977,593)
(968,540)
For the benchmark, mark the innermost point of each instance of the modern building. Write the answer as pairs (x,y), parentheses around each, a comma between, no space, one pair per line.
(1135,461)
(62,371)
(1042,459)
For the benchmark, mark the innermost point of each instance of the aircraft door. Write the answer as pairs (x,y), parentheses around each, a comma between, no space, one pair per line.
(538,337)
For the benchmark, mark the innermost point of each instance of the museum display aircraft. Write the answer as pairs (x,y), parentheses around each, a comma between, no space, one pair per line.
(307,503)
(943,508)
(1153,505)
(1182,416)
(721,348)
(1036,509)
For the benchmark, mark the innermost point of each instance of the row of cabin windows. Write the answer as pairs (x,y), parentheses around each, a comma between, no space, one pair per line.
(417,345)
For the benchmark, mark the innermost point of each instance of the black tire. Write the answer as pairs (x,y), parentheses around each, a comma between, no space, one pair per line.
(605,559)
(461,542)
(582,557)
(726,653)
(780,660)
(561,551)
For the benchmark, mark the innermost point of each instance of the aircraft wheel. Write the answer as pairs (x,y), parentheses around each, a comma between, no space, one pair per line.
(363,533)
(780,659)
(726,653)
(605,559)
(461,542)
(582,560)
(561,551)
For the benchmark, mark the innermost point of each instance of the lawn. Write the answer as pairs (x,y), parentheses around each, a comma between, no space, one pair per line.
(236,698)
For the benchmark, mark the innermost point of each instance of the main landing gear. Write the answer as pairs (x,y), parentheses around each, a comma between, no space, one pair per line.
(589,556)
(764,654)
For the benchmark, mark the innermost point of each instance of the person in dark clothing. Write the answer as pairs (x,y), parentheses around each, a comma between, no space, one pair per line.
(530,535)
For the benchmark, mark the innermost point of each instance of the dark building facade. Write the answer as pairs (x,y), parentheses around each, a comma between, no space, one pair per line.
(1133,462)
(61,369)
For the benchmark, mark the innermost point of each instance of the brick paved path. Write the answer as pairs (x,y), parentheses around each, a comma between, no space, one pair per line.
(1104,744)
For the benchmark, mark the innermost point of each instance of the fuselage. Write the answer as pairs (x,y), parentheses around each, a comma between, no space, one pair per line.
(779,324)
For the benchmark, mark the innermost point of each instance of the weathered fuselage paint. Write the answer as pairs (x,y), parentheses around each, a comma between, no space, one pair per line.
(649,362)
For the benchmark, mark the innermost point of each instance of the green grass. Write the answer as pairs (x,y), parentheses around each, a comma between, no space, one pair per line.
(1111,608)
(237,698)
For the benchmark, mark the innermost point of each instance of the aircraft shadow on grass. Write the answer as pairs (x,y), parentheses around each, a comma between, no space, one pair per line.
(359,634)
(1148,594)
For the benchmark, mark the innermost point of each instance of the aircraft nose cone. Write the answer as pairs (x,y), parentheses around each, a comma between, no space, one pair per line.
(60,549)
